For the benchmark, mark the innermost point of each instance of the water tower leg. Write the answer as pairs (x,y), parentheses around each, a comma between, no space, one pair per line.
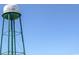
(14,37)
(1,38)
(8,34)
(22,35)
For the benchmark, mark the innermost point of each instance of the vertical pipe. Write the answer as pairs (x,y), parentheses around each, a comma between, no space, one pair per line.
(11,34)
(8,34)
(22,35)
(1,37)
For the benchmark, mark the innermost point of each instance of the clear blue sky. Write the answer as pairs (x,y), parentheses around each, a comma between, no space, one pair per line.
(50,29)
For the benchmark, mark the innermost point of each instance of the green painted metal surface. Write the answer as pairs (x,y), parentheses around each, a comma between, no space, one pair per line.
(14,14)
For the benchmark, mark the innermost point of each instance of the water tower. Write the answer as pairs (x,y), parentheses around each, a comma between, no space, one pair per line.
(10,30)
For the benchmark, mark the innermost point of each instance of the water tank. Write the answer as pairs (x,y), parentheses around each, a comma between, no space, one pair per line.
(10,8)
(11,11)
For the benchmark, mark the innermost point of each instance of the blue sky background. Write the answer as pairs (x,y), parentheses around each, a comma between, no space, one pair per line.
(50,29)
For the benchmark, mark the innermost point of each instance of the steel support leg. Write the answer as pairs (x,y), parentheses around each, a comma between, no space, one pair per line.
(22,36)
(8,34)
(1,37)
(14,37)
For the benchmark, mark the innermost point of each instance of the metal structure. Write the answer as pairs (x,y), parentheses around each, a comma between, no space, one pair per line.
(11,14)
